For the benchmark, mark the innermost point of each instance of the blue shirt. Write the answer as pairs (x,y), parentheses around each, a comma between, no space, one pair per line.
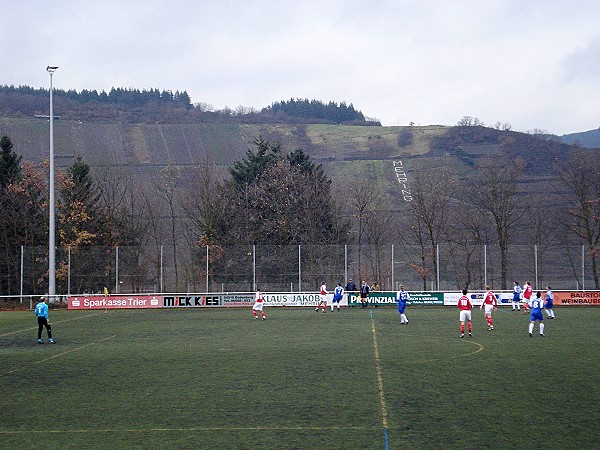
(402,296)
(337,294)
(41,310)
(536,305)
(517,292)
(549,298)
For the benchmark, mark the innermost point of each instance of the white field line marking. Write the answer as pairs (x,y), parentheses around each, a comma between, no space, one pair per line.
(62,321)
(480,348)
(61,354)
(147,430)
(384,414)
(75,349)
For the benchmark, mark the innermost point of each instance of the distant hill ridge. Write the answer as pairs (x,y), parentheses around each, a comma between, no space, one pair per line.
(155,106)
(146,145)
(348,154)
(589,139)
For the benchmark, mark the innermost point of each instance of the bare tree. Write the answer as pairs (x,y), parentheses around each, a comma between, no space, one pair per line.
(363,202)
(581,177)
(432,192)
(169,181)
(495,196)
(202,202)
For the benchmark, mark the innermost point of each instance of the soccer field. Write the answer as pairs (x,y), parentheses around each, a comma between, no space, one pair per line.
(354,379)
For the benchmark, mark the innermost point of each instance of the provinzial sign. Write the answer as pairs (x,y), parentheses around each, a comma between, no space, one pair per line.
(389,298)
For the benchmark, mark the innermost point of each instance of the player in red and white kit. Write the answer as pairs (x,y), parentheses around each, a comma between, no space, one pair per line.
(465,306)
(490,304)
(258,305)
(527,294)
(322,297)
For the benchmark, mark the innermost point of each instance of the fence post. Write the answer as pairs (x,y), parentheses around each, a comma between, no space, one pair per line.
(484,265)
(253,267)
(346,262)
(22,274)
(535,255)
(161,269)
(69,270)
(393,288)
(117,269)
(299,268)
(582,267)
(206,268)
(437,258)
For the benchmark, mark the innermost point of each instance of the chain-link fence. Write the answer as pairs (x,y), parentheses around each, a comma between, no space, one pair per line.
(294,268)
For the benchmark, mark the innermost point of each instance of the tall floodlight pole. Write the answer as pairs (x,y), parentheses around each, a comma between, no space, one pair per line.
(51,224)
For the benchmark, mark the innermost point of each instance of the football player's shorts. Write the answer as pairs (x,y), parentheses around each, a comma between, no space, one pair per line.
(465,315)
(488,308)
(536,315)
(258,306)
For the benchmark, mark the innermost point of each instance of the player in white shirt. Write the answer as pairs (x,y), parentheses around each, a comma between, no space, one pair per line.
(258,305)
(516,301)
(549,303)
(322,297)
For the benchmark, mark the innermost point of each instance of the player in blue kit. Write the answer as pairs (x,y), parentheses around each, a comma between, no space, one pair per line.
(536,314)
(41,311)
(549,303)
(338,294)
(402,297)
(516,302)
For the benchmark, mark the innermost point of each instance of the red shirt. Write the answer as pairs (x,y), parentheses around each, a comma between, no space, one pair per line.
(259,297)
(464,303)
(528,291)
(323,290)
(490,299)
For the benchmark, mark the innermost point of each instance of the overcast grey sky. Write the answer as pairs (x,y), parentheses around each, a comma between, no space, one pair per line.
(532,63)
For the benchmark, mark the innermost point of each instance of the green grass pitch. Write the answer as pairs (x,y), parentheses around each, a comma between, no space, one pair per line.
(216,378)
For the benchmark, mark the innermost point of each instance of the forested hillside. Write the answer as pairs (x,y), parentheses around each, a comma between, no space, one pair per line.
(169,185)
(154,106)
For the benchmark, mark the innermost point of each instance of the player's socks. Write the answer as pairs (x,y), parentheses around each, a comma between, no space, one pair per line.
(531,328)
(462,328)
(542,328)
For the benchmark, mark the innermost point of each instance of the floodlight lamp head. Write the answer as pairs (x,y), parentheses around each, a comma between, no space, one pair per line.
(51,68)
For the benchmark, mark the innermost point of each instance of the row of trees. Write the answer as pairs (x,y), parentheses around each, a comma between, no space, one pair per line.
(153,105)
(278,198)
(316,111)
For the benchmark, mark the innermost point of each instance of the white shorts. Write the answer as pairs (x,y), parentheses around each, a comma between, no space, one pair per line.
(258,306)
(322,298)
(465,315)
(488,309)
